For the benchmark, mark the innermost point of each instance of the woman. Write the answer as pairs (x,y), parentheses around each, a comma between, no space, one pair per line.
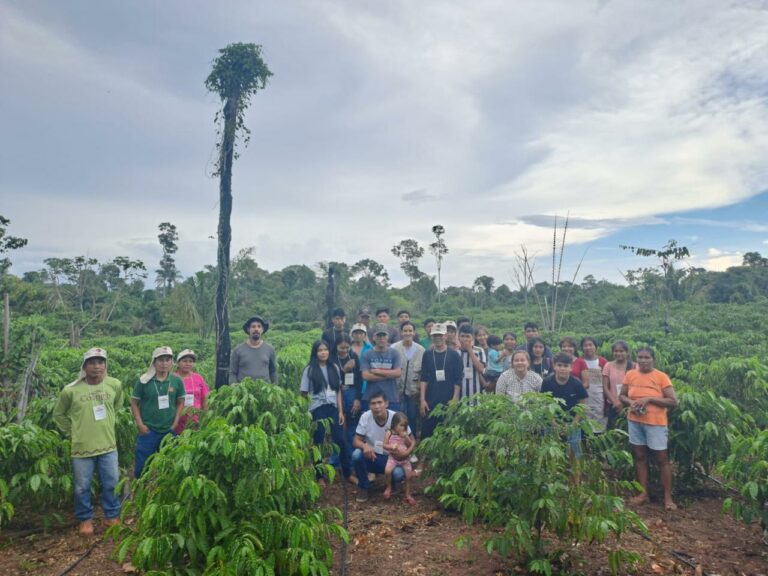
(481,338)
(360,344)
(322,382)
(589,369)
(196,397)
(348,363)
(519,379)
(649,394)
(568,345)
(613,377)
(539,363)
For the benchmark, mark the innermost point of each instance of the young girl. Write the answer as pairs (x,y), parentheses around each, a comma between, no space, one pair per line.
(397,436)
(510,345)
(196,397)
(495,365)
(568,345)
(539,363)
(589,369)
(322,382)
(613,378)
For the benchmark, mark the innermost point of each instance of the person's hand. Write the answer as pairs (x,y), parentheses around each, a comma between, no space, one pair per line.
(368,452)
(424,408)
(143,429)
(341,418)
(349,366)
(617,405)
(397,452)
(355,407)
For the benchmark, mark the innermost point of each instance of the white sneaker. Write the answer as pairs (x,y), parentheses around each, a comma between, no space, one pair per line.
(414,459)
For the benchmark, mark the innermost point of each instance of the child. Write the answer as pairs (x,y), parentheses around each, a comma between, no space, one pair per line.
(396,437)
(196,397)
(495,366)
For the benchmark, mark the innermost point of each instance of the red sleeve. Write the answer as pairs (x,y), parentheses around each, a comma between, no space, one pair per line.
(578,366)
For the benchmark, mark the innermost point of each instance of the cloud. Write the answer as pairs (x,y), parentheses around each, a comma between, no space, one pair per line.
(603,224)
(419,196)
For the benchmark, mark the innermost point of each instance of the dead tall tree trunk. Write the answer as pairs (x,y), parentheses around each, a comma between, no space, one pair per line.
(223,344)
(26,384)
(6,324)
(330,297)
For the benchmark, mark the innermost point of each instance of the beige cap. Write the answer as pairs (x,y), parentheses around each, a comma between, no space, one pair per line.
(359,328)
(438,328)
(186,352)
(156,353)
(450,324)
(92,353)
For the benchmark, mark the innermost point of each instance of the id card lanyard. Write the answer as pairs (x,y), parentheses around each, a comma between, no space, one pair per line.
(100,410)
(349,377)
(439,374)
(163,402)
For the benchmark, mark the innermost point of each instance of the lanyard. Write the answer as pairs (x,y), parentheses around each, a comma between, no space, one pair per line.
(167,381)
(434,359)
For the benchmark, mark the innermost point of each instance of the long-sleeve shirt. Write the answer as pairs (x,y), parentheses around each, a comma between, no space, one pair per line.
(87,413)
(249,362)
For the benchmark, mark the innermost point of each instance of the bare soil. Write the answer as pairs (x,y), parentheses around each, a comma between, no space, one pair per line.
(391,538)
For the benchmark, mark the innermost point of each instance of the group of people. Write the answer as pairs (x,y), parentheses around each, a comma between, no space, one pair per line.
(378,386)
(369,378)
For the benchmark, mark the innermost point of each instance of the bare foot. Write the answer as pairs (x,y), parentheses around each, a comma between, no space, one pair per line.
(410,500)
(639,500)
(352,480)
(670,506)
(322,483)
(388,493)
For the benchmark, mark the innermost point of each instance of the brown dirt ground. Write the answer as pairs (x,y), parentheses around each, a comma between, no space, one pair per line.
(390,538)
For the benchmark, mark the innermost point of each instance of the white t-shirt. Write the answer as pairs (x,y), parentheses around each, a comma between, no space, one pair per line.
(369,429)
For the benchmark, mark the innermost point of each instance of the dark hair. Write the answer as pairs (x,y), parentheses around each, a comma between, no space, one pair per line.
(509,334)
(315,374)
(463,320)
(535,340)
(339,339)
(378,394)
(397,418)
(530,325)
(338,313)
(478,328)
(624,346)
(646,349)
(493,340)
(587,339)
(572,342)
(403,312)
(382,309)
(466,329)
(562,358)
(408,323)
(429,321)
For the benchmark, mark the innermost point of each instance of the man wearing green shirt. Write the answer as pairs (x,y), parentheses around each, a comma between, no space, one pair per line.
(86,411)
(156,403)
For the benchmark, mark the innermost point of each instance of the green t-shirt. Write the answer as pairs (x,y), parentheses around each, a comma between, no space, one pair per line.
(155,418)
(87,413)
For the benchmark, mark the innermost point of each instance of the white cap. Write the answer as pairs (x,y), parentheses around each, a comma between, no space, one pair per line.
(438,328)
(92,353)
(186,352)
(157,353)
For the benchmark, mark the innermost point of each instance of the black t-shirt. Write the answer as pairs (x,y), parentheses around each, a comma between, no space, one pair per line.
(449,361)
(571,392)
(331,334)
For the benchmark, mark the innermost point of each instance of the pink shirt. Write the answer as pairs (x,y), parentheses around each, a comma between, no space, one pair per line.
(615,376)
(193,384)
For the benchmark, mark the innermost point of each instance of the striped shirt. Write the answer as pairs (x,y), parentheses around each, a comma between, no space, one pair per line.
(471,382)
(515,387)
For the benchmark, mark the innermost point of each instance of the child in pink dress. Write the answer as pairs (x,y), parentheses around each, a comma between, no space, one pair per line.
(196,389)
(396,437)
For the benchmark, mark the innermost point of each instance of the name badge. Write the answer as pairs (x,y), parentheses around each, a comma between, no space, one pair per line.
(469,372)
(163,402)
(440,375)
(349,379)
(99,412)
(378,447)
(189,400)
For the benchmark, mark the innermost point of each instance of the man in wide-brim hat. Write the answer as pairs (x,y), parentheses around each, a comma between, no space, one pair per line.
(254,358)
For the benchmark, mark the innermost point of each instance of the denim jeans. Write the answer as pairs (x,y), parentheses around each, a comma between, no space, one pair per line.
(351,421)
(146,445)
(410,406)
(337,434)
(363,466)
(82,470)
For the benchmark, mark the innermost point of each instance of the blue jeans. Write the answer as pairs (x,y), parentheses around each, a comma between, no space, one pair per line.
(410,406)
(82,471)
(363,466)
(337,434)
(146,445)
(394,406)
(351,421)
(574,441)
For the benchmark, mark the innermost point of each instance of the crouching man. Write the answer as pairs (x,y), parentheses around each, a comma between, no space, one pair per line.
(369,454)
(86,411)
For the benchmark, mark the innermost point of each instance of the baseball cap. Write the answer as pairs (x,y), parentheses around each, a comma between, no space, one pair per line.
(438,328)
(358,328)
(381,329)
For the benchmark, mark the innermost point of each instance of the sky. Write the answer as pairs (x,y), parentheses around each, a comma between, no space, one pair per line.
(640,121)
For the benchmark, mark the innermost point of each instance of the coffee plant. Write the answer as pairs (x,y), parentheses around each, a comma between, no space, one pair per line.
(746,470)
(505,464)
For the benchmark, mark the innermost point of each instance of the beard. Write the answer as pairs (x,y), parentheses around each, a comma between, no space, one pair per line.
(256,336)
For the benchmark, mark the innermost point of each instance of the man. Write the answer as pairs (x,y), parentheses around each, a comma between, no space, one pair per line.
(441,375)
(364,318)
(403,316)
(253,358)
(563,385)
(473,361)
(532,331)
(338,328)
(369,454)
(463,320)
(411,355)
(86,411)
(382,317)
(157,403)
(428,323)
(380,367)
